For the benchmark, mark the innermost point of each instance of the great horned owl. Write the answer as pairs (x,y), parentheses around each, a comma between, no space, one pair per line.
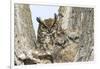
(46,32)
(67,45)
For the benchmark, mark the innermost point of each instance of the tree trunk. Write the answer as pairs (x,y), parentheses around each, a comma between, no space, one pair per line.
(78,23)
(24,35)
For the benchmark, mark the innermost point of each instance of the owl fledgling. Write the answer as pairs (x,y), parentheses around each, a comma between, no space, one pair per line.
(46,32)
(66,45)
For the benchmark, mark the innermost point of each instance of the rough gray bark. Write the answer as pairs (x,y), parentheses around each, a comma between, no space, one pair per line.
(25,47)
(24,35)
(79,22)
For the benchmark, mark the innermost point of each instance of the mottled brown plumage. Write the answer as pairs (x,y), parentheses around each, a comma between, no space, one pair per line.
(46,32)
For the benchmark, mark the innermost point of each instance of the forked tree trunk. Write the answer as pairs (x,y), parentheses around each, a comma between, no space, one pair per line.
(81,22)
(75,21)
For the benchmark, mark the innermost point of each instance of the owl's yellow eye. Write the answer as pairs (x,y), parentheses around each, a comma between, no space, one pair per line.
(43,29)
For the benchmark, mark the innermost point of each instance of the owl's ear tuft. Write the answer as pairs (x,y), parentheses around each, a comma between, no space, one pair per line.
(39,20)
(55,18)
